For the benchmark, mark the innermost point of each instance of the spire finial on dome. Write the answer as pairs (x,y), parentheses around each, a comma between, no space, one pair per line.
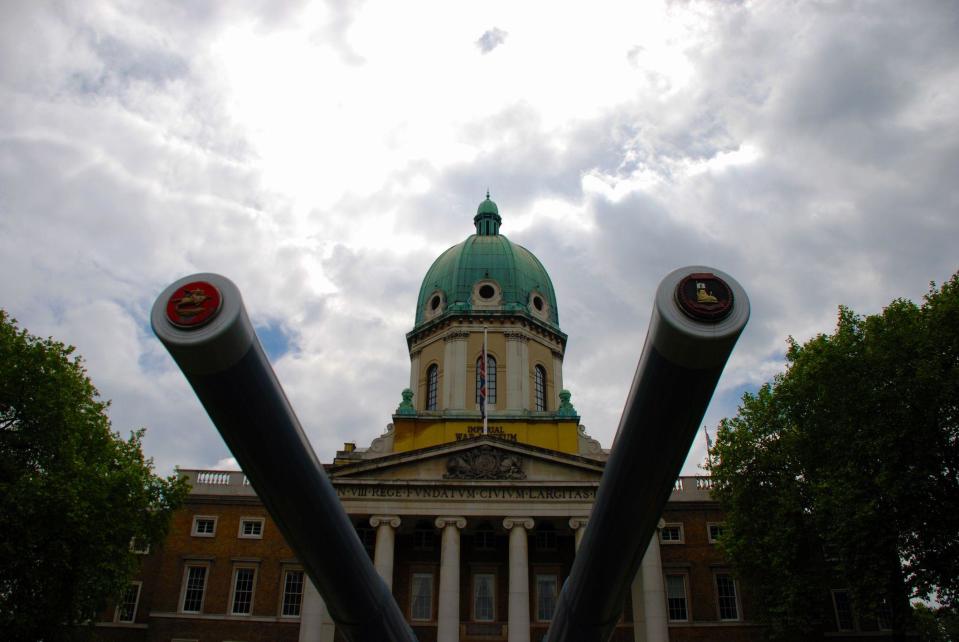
(487,193)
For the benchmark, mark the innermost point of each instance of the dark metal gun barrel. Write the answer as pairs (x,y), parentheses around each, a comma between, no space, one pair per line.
(203,324)
(698,315)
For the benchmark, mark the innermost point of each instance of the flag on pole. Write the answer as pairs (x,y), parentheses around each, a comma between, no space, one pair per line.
(482,382)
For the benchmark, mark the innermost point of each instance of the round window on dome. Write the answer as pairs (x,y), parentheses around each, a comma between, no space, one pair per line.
(487,295)
(538,305)
(435,304)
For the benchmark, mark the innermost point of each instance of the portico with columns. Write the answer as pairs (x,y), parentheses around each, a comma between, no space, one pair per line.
(476,537)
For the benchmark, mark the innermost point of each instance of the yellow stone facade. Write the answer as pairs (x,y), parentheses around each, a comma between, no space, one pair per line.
(412,433)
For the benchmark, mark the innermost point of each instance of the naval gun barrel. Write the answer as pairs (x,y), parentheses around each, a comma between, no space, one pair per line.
(202,322)
(698,315)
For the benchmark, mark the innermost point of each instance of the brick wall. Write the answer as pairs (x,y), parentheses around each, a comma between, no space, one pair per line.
(162,573)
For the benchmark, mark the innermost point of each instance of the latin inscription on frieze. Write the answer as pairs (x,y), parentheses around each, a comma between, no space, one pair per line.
(473,492)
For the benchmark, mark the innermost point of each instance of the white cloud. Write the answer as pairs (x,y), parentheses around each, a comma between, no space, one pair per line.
(227,463)
(322,154)
(491,39)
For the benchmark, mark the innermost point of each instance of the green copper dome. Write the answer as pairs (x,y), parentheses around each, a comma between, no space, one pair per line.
(487,207)
(487,274)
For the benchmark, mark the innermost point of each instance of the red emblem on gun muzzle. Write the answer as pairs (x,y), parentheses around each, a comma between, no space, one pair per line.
(193,305)
(704,297)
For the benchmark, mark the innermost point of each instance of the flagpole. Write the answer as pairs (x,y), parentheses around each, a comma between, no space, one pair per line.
(486,396)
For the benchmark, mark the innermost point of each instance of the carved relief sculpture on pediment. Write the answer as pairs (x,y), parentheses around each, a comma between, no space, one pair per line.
(484,462)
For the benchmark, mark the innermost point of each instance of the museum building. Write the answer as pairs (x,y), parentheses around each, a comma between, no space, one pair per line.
(472,521)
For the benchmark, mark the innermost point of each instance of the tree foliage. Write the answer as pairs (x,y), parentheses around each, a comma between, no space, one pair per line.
(73,494)
(843,472)
(936,625)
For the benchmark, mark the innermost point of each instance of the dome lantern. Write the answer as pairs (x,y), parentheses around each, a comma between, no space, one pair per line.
(487,219)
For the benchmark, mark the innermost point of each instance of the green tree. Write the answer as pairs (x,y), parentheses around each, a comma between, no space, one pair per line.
(936,625)
(843,472)
(73,494)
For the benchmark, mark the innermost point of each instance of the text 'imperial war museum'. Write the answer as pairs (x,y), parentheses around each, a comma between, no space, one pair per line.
(472,521)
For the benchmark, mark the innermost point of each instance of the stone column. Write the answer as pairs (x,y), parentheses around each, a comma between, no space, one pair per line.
(316,625)
(518,577)
(650,622)
(385,526)
(517,371)
(578,524)
(448,617)
(454,370)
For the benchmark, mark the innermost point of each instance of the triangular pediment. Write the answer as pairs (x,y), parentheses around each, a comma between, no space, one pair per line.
(471,460)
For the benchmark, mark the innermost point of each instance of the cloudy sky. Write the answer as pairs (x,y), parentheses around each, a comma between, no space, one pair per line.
(322,154)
